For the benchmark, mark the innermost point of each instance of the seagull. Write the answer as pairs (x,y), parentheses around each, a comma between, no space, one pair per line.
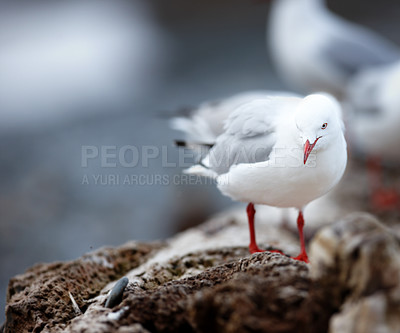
(373,103)
(374,96)
(316,50)
(280,151)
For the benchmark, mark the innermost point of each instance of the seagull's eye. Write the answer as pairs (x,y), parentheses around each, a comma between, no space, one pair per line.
(324,125)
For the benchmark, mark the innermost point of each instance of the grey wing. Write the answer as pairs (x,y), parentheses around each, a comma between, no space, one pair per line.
(233,150)
(357,49)
(206,122)
(216,113)
(248,138)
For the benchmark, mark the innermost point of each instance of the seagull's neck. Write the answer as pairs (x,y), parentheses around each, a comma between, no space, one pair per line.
(334,156)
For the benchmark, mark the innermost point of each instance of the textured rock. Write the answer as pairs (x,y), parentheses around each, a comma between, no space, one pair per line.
(270,284)
(204,280)
(264,295)
(39,299)
(358,259)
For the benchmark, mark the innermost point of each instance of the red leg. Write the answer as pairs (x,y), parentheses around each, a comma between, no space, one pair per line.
(253,244)
(385,199)
(300,225)
(374,168)
(250,214)
(382,199)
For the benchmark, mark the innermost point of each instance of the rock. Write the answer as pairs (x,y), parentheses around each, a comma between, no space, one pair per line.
(358,260)
(204,280)
(39,300)
(264,294)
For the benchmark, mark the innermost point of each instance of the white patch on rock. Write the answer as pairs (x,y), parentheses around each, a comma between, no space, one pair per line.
(118,314)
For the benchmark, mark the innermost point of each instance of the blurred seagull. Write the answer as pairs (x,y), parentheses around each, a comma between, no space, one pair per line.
(264,155)
(315,50)
(373,97)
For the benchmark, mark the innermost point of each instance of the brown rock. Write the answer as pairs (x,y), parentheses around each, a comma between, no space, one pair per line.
(358,260)
(39,299)
(204,280)
(264,295)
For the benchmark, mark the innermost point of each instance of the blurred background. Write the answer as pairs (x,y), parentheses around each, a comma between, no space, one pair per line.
(77,76)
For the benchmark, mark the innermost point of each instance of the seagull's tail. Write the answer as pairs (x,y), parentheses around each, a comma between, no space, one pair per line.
(193,145)
(201,170)
(200,150)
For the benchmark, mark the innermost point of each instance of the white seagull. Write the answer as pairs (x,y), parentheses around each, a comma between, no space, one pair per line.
(374,96)
(278,151)
(373,99)
(316,50)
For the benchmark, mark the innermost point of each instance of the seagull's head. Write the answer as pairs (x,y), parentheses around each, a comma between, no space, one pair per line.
(319,121)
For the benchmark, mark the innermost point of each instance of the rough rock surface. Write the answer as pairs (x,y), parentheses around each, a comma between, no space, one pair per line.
(204,280)
(39,300)
(359,261)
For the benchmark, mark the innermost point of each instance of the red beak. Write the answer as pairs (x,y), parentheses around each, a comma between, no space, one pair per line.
(308,148)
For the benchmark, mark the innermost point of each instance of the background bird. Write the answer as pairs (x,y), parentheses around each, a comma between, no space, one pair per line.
(373,104)
(374,96)
(314,49)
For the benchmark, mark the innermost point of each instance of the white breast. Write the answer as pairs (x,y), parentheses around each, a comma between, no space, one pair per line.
(285,181)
